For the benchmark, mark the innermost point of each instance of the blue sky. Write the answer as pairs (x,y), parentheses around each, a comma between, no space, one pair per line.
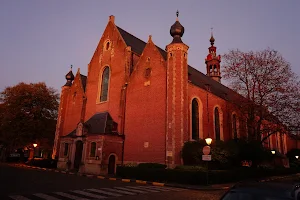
(39,40)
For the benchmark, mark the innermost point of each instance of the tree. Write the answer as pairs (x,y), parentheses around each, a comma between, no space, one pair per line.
(270,89)
(28,114)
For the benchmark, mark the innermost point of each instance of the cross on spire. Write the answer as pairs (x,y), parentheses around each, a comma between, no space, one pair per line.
(211,31)
(71,67)
(177,13)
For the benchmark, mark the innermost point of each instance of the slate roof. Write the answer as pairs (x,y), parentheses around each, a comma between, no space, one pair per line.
(83,81)
(197,78)
(97,124)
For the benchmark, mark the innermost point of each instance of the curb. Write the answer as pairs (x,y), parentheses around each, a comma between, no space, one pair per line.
(190,187)
(93,176)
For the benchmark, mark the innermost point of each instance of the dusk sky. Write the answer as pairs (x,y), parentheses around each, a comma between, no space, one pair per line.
(39,40)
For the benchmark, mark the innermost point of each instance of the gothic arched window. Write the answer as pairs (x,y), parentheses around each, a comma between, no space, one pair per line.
(234,126)
(104,84)
(217,124)
(195,120)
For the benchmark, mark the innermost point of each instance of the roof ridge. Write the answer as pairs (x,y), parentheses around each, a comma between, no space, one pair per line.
(138,46)
(131,34)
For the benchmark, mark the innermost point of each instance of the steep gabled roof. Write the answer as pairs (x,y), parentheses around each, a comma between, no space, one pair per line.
(197,78)
(83,81)
(99,123)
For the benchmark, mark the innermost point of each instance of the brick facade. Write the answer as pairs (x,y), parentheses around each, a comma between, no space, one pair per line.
(149,97)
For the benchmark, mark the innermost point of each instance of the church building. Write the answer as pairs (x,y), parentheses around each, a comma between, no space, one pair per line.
(140,103)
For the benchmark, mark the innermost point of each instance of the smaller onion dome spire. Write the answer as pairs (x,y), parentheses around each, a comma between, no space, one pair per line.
(70,77)
(177,30)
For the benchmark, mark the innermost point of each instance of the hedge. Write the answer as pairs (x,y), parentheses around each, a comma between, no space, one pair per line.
(44,163)
(199,177)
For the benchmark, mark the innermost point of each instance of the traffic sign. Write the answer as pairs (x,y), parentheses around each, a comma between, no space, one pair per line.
(206,157)
(206,150)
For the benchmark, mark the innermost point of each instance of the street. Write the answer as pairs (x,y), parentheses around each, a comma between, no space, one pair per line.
(33,184)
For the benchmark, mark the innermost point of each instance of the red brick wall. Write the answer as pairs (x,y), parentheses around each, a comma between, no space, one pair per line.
(112,145)
(208,130)
(292,143)
(74,106)
(115,58)
(145,109)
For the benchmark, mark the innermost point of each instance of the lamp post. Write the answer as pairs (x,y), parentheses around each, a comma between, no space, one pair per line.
(296,157)
(34,146)
(206,156)
(208,141)
(273,152)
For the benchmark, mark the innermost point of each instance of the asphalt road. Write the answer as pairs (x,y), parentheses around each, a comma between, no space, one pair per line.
(32,184)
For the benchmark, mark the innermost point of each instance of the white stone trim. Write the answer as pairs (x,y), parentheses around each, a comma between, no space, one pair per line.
(221,122)
(200,111)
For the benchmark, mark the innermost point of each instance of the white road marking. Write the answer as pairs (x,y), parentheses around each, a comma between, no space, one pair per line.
(146,188)
(45,196)
(88,194)
(131,190)
(18,197)
(119,191)
(70,196)
(105,192)
(169,188)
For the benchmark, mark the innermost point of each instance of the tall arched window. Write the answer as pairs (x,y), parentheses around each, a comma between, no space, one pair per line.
(217,124)
(234,126)
(195,120)
(104,84)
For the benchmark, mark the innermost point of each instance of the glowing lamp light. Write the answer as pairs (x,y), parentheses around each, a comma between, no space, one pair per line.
(34,145)
(297,157)
(208,141)
(273,152)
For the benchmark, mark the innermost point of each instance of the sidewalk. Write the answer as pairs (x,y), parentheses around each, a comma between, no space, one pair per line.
(225,186)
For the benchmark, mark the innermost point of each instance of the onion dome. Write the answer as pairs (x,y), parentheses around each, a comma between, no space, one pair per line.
(70,77)
(177,30)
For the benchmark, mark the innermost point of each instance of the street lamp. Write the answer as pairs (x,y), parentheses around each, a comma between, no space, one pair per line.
(273,152)
(206,151)
(34,145)
(208,141)
(297,157)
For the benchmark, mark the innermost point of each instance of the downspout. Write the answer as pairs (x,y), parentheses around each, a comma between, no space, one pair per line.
(166,119)
(123,120)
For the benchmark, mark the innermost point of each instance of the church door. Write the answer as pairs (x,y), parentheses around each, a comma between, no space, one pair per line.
(111,164)
(78,154)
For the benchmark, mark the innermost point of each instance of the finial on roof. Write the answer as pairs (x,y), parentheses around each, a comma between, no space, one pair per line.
(111,18)
(212,39)
(177,30)
(70,77)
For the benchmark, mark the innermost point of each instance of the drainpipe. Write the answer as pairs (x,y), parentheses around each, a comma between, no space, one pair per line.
(123,120)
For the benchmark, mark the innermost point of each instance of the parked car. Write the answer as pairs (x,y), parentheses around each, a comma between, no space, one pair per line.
(263,191)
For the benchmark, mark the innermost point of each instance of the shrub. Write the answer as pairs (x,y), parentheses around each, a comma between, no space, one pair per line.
(199,177)
(192,152)
(191,168)
(43,163)
(152,165)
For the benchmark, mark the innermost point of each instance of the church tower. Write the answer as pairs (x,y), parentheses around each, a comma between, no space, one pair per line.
(61,112)
(212,61)
(177,102)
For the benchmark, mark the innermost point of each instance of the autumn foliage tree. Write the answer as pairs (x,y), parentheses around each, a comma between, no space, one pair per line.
(28,114)
(270,89)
